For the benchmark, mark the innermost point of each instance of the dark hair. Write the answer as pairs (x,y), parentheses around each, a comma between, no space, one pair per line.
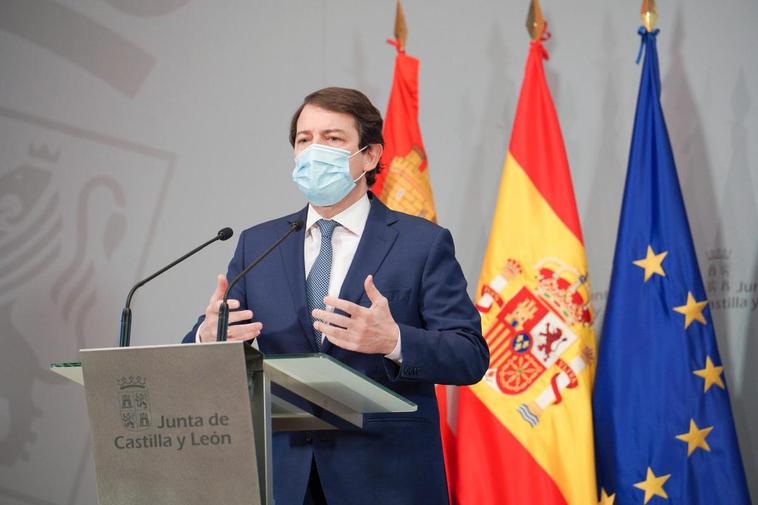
(368,120)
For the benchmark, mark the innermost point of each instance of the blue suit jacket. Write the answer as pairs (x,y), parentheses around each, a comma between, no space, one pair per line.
(396,459)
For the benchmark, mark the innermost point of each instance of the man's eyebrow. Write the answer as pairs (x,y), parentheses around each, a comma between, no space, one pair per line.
(330,130)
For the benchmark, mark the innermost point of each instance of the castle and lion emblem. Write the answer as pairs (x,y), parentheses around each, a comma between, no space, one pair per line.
(134,403)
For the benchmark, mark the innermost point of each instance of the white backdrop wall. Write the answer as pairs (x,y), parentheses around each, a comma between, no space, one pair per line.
(130,130)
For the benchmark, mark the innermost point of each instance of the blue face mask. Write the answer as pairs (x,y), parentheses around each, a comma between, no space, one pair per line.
(323,174)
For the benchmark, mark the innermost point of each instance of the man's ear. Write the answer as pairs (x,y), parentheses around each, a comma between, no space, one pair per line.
(373,155)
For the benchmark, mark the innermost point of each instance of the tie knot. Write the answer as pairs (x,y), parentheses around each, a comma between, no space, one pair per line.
(327,227)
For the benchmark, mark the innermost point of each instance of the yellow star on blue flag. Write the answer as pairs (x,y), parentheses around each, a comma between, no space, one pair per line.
(652,263)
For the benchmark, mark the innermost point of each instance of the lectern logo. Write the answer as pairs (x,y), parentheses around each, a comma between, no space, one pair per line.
(134,403)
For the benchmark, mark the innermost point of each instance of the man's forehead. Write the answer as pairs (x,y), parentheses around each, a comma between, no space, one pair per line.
(317,119)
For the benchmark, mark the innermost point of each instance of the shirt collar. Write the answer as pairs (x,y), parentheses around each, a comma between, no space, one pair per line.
(353,219)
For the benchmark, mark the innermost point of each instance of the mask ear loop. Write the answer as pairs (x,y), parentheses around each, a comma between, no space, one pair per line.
(356,152)
(359,178)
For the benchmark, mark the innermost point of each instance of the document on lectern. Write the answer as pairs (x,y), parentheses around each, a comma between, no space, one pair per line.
(171,425)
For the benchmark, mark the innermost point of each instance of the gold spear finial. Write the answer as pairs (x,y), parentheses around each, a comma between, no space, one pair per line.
(535,23)
(401,29)
(649,14)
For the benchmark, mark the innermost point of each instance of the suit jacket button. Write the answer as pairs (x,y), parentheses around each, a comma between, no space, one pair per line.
(309,438)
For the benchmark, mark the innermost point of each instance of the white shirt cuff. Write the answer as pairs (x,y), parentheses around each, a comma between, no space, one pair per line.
(397,353)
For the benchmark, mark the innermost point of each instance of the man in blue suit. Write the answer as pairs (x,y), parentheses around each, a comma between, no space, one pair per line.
(376,289)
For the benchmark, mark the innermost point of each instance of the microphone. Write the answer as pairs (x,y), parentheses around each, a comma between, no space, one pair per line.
(223,310)
(126,313)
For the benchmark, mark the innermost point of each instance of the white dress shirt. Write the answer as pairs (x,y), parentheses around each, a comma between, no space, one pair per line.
(345,240)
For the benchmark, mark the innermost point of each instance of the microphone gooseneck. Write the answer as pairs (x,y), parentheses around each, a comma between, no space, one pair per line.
(126,313)
(223,310)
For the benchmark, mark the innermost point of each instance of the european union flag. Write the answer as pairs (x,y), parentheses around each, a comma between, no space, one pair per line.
(663,425)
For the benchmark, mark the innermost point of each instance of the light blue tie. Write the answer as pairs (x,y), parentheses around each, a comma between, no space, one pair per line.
(317,282)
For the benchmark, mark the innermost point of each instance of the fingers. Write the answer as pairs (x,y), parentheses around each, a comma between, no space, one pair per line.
(211,311)
(240,315)
(345,306)
(337,336)
(331,318)
(368,330)
(207,330)
(221,285)
(243,331)
(373,294)
(351,308)
(233,304)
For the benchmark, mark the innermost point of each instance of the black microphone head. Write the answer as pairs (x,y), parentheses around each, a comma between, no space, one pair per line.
(225,233)
(297,224)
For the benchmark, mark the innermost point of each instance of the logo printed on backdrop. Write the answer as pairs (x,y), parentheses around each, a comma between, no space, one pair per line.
(30,239)
(724,291)
(83,42)
(64,197)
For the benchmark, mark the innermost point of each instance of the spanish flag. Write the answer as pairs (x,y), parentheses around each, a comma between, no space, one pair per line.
(404,183)
(523,435)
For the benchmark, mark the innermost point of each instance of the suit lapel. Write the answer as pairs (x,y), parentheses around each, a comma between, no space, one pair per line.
(377,240)
(294,268)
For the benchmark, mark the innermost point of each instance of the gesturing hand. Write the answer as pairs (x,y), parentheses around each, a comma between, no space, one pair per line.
(370,330)
(208,328)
